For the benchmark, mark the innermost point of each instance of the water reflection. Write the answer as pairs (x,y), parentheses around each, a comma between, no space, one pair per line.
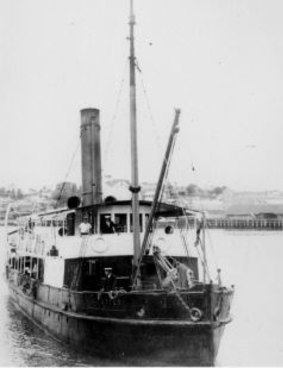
(24,344)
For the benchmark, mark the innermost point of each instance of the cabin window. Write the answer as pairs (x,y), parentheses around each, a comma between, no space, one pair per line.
(21,265)
(107,226)
(34,268)
(70,271)
(11,262)
(91,218)
(131,223)
(70,220)
(14,262)
(40,269)
(27,265)
(121,222)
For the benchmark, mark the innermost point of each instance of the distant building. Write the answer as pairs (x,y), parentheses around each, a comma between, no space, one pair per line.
(254,205)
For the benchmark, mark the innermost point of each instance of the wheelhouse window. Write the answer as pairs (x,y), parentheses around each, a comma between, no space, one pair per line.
(91,219)
(121,222)
(27,265)
(107,226)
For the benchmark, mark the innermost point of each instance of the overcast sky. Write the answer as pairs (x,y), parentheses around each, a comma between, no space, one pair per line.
(220,61)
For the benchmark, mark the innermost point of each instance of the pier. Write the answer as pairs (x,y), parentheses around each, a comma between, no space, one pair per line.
(227,224)
(245,224)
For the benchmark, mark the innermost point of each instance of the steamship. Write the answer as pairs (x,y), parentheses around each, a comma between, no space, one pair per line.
(162,304)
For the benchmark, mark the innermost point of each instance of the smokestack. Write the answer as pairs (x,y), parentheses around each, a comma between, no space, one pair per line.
(91,157)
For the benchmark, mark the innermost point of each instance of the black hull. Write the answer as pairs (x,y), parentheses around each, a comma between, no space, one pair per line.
(146,342)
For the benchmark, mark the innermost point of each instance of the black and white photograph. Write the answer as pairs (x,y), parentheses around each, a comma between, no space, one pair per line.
(141,184)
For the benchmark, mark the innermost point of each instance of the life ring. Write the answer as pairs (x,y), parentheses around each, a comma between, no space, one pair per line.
(99,245)
(196,314)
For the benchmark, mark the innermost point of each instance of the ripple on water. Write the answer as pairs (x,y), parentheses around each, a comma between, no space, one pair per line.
(251,260)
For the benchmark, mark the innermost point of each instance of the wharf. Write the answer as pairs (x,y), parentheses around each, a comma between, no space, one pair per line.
(245,224)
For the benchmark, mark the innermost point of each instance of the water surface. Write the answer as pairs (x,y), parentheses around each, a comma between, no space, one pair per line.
(252,260)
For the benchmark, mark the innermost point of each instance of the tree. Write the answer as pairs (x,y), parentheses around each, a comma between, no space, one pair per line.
(192,190)
(19,194)
(215,192)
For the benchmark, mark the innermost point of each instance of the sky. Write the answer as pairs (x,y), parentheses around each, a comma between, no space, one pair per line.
(219,61)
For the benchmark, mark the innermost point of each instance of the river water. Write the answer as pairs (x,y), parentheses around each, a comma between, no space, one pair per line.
(252,260)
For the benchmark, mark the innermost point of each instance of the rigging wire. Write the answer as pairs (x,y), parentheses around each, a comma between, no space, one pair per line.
(115,113)
(157,136)
(210,243)
(212,250)
(67,173)
(202,209)
(193,166)
(169,160)
(184,234)
(203,262)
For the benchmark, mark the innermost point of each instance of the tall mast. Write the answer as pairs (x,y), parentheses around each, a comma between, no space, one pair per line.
(135,188)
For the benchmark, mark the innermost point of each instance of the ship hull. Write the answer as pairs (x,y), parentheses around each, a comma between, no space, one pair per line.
(142,342)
